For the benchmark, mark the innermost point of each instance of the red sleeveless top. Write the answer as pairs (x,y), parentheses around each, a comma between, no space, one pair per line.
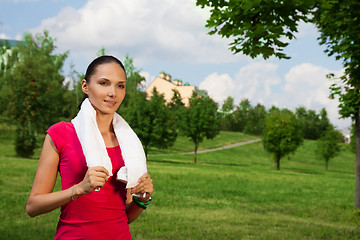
(97,215)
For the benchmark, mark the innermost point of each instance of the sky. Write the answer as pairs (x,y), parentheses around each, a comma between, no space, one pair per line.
(170,36)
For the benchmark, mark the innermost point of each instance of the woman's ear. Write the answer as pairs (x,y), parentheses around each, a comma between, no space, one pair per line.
(84,86)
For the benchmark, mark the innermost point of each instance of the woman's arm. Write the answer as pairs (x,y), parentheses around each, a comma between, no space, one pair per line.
(42,199)
(145,186)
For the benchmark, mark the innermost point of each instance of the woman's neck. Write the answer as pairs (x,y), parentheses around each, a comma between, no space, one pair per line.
(104,123)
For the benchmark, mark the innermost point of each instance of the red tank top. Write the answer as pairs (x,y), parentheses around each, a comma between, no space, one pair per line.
(97,215)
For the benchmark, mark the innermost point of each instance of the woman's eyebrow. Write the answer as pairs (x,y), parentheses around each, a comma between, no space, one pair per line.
(104,78)
(108,80)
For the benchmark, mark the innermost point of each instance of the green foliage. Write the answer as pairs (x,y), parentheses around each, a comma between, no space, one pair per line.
(313,125)
(177,108)
(101,52)
(244,118)
(152,121)
(8,56)
(255,120)
(133,81)
(25,142)
(227,115)
(241,115)
(35,93)
(74,94)
(282,134)
(338,23)
(258,27)
(228,105)
(200,120)
(328,145)
(263,27)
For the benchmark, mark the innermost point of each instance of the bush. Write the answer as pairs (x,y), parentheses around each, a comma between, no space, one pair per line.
(25,142)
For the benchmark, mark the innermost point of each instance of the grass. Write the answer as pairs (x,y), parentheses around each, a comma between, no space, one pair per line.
(183,144)
(229,194)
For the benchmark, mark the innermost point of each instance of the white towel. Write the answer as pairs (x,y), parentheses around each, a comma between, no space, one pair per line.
(94,148)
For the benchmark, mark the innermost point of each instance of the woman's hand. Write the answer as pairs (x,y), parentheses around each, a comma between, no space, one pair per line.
(94,177)
(145,185)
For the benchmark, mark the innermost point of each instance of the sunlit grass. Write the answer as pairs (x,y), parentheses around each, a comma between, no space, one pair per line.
(229,194)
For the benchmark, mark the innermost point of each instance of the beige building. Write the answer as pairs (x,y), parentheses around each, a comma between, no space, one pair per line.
(164,85)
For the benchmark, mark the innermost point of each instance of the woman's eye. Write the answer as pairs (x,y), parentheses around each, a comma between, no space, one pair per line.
(121,86)
(103,83)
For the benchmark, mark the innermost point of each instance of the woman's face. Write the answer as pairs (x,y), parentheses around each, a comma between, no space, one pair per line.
(106,87)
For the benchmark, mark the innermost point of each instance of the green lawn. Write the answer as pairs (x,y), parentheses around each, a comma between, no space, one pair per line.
(229,194)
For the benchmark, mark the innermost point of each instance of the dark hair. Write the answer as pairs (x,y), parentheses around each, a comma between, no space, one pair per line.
(97,62)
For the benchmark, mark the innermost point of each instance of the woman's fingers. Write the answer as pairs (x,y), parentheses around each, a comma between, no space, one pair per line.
(145,185)
(95,177)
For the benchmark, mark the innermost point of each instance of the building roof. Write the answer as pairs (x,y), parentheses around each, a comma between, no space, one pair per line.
(8,41)
(165,86)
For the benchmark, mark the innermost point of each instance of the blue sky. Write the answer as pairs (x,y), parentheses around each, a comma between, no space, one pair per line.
(168,35)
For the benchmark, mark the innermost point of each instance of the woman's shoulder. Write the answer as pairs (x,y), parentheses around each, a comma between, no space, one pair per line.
(61,133)
(61,126)
(61,129)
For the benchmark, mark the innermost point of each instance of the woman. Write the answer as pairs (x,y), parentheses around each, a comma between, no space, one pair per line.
(86,211)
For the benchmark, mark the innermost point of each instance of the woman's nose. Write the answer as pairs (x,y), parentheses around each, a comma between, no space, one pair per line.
(111,92)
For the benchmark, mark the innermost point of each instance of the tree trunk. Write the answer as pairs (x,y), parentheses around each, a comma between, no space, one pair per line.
(357,174)
(326,164)
(277,163)
(195,151)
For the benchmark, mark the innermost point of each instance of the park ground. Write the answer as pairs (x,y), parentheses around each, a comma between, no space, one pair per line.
(232,193)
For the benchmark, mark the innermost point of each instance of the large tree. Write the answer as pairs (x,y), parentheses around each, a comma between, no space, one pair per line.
(264,28)
(200,120)
(35,90)
(282,134)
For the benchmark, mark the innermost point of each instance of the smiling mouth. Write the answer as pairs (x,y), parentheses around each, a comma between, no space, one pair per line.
(112,103)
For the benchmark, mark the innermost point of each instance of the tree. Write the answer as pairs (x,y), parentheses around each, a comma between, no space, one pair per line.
(227,118)
(200,120)
(313,125)
(256,120)
(8,57)
(264,27)
(282,134)
(133,81)
(35,89)
(241,115)
(152,121)
(258,27)
(328,145)
(177,108)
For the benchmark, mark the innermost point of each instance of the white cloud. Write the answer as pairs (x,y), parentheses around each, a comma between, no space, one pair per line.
(256,80)
(148,30)
(4,36)
(219,87)
(308,83)
(148,79)
(253,81)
